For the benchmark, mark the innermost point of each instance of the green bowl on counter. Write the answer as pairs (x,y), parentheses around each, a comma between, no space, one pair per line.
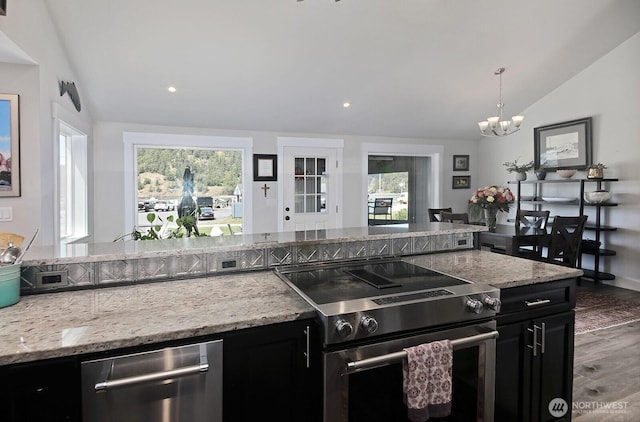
(9,284)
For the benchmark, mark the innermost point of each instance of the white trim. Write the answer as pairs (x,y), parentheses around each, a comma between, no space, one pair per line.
(133,139)
(436,152)
(333,143)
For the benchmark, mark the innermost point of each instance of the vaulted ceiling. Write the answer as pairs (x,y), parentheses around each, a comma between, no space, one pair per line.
(409,68)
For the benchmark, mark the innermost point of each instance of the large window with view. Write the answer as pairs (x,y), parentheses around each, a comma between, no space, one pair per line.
(174,184)
(72,171)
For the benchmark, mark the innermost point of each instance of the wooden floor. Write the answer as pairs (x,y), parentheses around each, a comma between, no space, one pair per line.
(607,368)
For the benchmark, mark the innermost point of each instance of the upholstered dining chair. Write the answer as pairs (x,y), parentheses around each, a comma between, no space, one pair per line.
(453,217)
(565,240)
(434,214)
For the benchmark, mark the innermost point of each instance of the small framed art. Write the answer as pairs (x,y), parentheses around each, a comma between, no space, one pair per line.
(265,167)
(460,163)
(461,182)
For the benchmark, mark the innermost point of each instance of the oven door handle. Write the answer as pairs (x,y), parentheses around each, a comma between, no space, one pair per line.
(364,364)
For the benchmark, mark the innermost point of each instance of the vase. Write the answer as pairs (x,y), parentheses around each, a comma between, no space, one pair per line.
(490,216)
(541,174)
(521,176)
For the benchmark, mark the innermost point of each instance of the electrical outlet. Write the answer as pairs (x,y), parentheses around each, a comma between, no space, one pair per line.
(6,213)
(52,279)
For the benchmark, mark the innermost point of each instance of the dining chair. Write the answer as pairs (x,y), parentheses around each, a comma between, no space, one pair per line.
(434,214)
(565,240)
(530,246)
(453,217)
(381,206)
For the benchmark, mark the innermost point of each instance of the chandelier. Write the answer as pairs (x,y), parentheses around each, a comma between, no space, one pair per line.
(497,125)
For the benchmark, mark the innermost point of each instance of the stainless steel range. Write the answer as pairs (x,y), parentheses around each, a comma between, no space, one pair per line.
(370,310)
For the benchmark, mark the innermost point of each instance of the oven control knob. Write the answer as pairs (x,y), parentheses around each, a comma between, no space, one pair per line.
(492,303)
(474,305)
(344,328)
(369,324)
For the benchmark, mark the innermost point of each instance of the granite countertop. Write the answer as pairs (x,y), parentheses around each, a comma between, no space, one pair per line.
(70,323)
(76,322)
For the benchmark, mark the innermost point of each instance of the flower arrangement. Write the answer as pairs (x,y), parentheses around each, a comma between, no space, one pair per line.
(496,197)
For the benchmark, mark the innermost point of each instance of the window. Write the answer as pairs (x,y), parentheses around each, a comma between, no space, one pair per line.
(72,183)
(212,186)
(216,176)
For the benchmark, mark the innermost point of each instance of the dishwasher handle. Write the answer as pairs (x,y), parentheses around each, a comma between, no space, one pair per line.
(202,367)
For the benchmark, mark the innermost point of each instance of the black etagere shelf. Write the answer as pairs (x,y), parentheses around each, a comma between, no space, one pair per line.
(594,226)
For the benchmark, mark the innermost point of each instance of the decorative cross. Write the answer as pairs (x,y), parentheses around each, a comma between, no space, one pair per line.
(265,188)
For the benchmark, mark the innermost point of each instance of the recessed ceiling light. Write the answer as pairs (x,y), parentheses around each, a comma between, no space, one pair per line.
(346,104)
(172,89)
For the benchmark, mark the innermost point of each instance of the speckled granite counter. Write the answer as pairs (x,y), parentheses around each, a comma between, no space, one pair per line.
(71,323)
(502,271)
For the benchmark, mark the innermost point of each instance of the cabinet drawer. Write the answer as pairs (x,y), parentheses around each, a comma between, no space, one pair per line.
(539,299)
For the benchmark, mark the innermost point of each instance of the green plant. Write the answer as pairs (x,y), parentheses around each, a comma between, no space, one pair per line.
(187,226)
(597,166)
(514,167)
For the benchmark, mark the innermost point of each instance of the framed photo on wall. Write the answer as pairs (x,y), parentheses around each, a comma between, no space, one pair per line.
(3,7)
(265,167)
(566,145)
(9,145)
(460,163)
(461,182)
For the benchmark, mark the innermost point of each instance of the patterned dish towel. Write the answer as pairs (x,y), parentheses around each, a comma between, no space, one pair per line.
(427,380)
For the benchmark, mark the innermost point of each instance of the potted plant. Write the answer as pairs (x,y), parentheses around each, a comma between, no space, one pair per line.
(519,169)
(596,171)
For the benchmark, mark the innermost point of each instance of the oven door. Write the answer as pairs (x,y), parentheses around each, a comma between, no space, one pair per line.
(364,382)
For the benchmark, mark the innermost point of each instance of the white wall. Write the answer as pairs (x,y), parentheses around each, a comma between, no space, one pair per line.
(608,91)
(28,26)
(109,179)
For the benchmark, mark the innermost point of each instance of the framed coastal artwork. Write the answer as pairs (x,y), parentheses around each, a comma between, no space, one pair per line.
(565,145)
(9,145)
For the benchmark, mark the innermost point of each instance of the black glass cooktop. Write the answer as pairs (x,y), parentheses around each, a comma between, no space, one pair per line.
(329,285)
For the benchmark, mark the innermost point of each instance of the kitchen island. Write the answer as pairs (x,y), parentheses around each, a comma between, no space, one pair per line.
(270,334)
(75,322)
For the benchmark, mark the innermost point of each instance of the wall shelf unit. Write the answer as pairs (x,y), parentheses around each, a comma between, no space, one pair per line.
(573,197)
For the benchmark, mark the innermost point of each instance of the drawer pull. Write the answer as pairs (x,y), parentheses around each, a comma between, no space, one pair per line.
(537,302)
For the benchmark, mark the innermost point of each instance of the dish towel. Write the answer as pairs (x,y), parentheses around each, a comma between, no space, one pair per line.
(427,380)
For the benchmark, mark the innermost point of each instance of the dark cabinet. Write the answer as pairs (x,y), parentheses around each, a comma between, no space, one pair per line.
(41,391)
(273,372)
(534,353)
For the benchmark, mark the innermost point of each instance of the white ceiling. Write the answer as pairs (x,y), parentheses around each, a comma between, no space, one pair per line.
(410,68)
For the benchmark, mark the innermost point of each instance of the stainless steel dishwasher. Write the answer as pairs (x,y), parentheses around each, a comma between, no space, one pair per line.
(168,385)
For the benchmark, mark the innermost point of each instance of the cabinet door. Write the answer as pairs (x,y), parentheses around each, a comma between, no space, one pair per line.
(513,373)
(553,367)
(266,373)
(41,391)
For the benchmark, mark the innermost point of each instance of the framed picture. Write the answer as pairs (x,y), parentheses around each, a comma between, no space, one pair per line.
(265,167)
(563,145)
(460,163)
(9,145)
(461,182)
(3,7)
